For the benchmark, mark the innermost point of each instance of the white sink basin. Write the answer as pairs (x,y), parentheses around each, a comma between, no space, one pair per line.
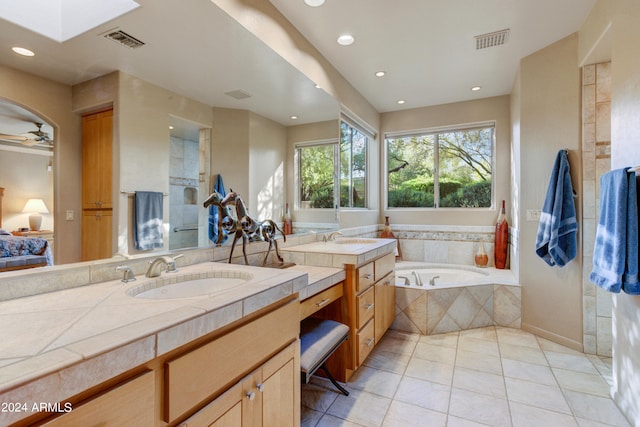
(217,283)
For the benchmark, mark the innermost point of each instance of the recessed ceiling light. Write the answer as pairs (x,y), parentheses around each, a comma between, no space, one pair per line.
(476,88)
(170,127)
(401,101)
(22,51)
(314,3)
(294,117)
(346,39)
(318,86)
(380,73)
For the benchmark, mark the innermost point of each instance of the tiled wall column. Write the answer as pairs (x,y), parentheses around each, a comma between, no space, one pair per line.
(596,160)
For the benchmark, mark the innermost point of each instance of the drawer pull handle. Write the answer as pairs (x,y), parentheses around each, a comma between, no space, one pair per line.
(260,387)
(323,302)
(368,276)
(251,395)
(369,307)
(370,342)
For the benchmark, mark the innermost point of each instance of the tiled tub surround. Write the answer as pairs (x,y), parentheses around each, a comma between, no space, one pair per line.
(490,299)
(58,344)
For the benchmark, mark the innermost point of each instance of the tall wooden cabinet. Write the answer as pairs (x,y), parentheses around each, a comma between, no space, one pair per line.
(97,187)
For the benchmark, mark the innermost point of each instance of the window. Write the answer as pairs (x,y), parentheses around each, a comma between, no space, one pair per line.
(334,172)
(445,168)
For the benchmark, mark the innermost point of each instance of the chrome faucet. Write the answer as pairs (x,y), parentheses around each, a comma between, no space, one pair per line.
(432,281)
(418,279)
(406,280)
(128,273)
(169,262)
(332,236)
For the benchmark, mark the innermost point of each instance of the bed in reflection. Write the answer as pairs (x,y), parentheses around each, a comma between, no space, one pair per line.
(17,252)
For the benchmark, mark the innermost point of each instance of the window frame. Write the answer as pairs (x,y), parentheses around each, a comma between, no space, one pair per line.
(435,131)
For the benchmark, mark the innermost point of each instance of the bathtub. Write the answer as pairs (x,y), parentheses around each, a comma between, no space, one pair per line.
(461,297)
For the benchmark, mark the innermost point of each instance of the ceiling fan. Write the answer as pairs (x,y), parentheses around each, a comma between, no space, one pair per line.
(30,138)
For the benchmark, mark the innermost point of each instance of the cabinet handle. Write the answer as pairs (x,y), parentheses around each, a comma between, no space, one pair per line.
(323,302)
(260,387)
(98,204)
(251,395)
(369,307)
(367,276)
(370,342)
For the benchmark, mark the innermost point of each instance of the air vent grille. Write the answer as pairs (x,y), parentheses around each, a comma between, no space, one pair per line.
(496,38)
(124,39)
(238,94)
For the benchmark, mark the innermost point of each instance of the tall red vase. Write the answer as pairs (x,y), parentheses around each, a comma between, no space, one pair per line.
(501,247)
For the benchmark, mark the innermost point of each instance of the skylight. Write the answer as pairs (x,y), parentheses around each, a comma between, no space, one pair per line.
(61,20)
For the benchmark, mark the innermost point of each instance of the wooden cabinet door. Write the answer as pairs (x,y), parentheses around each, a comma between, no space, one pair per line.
(385,301)
(96,234)
(281,389)
(97,159)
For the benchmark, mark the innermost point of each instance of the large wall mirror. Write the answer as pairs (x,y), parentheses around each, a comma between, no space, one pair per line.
(230,99)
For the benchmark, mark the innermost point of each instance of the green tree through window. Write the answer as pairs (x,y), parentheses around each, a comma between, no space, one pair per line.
(440,169)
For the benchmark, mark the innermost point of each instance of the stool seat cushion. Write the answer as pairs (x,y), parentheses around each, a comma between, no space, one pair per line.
(319,338)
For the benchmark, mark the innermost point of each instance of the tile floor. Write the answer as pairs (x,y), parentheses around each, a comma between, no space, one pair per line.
(489,376)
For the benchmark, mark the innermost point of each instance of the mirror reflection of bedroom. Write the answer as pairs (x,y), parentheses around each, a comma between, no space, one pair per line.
(26,189)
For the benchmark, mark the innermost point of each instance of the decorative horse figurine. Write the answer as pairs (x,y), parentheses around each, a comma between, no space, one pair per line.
(254,230)
(227,222)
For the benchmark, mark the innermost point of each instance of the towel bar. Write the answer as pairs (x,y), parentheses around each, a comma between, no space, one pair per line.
(133,192)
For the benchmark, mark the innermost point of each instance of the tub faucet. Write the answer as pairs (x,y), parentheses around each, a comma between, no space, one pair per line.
(166,260)
(406,280)
(432,281)
(332,236)
(418,279)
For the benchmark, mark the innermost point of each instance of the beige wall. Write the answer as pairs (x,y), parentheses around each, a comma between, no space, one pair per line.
(547,111)
(469,112)
(52,102)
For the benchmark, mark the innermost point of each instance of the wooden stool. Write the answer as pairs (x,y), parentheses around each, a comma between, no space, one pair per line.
(319,338)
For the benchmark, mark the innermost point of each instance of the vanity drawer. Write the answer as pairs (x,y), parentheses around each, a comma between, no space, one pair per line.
(324,298)
(366,341)
(384,266)
(199,374)
(365,307)
(365,277)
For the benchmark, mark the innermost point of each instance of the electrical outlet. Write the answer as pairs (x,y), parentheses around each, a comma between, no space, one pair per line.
(533,214)
(69,216)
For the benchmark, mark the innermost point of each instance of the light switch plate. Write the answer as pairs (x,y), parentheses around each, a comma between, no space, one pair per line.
(69,216)
(533,214)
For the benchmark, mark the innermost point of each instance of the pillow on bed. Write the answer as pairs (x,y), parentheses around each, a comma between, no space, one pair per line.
(4,232)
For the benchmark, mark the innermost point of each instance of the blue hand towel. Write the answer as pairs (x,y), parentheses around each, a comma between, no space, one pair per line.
(556,241)
(214,236)
(615,253)
(147,220)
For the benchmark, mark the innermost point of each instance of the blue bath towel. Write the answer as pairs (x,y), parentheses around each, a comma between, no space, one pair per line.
(214,235)
(615,253)
(147,220)
(556,241)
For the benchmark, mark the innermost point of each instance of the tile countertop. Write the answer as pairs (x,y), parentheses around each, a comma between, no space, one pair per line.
(60,343)
(336,253)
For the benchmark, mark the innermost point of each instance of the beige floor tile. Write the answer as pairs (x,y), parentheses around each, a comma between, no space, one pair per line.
(528,372)
(431,371)
(424,394)
(516,337)
(538,395)
(361,408)
(435,353)
(317,396)
(529,416)
(480,408)
(595,408)
(523,354)
(480,362)
(488,333)
(309,417)
(480,382)
(397,344)
(573,362)
(387,361)
(581,382)
(469,343)
(545,344)
(375,381)
(461,422)
(445,340)
(330,421)
(401,414)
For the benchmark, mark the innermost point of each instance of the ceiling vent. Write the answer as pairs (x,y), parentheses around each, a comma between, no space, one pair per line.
(496,38)
(238,94)
(124,39)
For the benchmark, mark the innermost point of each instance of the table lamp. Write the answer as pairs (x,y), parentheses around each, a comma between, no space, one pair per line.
(35,207)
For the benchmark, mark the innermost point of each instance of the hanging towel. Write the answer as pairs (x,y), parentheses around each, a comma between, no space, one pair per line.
(556,241)
(215,235)
(615,253)
(147,220)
